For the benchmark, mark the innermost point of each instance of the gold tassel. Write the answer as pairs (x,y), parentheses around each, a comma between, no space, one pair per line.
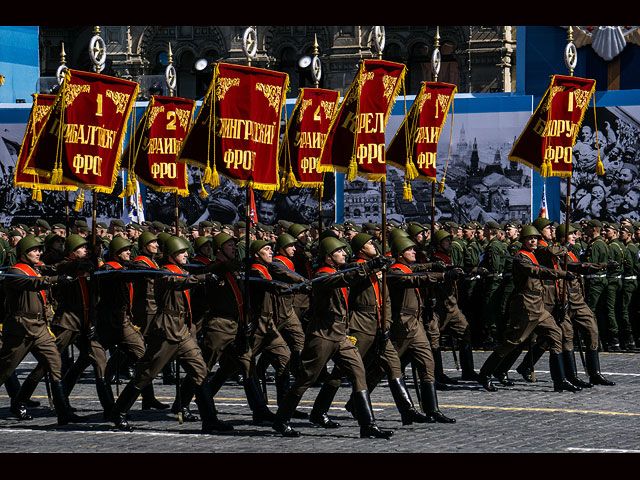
(79,202)
(543,170)
(206,178)
(319,193)
(56,176)
(353,170)
(441,186)
(214,181)
(39,196)
(203,192)
(411,171)
(267,194)
(599,167)
(406,192)
(34,195)
(291,179)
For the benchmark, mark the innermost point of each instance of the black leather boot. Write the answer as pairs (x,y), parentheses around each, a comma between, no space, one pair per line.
(466,363)
(319,412)
(402,399)
(105,395)
(61,404)
(296,363)
(571,370)
(283,383)
(257,402)
(18,401)
(149,400)
(558,375)
(430,402)
(123,404)
(364,413)
(439,369)
(207,409)
(187,392)
(168,375)
(486,372)
(286,407)
(502,370)
(528,362)
(592,359)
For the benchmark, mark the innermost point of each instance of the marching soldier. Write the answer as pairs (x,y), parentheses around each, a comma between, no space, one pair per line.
(172,334)
(74,322)
(406,281)
(450,317)
(365,316)
(327,339)
(527,314)
(289,324)
(26,327)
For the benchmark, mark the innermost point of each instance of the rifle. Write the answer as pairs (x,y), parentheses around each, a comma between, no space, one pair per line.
(323,277)
(178,398)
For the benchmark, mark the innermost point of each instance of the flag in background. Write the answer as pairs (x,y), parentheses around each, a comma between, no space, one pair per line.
(134,206)
(544,211)
(253,211)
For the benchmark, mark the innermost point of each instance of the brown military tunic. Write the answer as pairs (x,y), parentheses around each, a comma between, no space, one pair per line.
(328,328)
(527,312)
(26,325)
(144,306)
(288,323)
(171,333)
(408,335)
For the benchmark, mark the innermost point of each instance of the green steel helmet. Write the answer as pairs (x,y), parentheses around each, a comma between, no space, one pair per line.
(440,235)
(400,244)
(146,238)
(73,242)
(222,238)
(560,230)
(174,245)
(200,241)
(117,244)
(329,245)
(415,228)
(52,237)
(395,233)
(28,242)
(162,238)
(529,231)
(284,240)
(296,229)
(358,241)
(257,245)
(540,222)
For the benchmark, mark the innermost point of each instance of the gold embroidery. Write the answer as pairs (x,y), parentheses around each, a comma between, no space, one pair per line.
(303,107)
(272,93)
(183,117)
(581,98)
(153,113)
(443,100)
(423,100)
(224,84)
(389,83)
(119,99)
(73,91)
(552,94)
(40,112)
(328,108)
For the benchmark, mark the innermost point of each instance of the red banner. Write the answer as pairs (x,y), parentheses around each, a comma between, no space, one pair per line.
(81,140)
(414,147)
(41,107)
(356,142)
(237,130)
(306,134)
(153,151)
(546,144)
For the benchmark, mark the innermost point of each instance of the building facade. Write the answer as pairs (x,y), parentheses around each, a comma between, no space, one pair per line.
(476,58)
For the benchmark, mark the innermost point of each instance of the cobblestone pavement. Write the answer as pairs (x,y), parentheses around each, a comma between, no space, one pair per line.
(525,418)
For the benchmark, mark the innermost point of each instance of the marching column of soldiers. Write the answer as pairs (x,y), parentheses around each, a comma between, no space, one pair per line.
(320,305)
